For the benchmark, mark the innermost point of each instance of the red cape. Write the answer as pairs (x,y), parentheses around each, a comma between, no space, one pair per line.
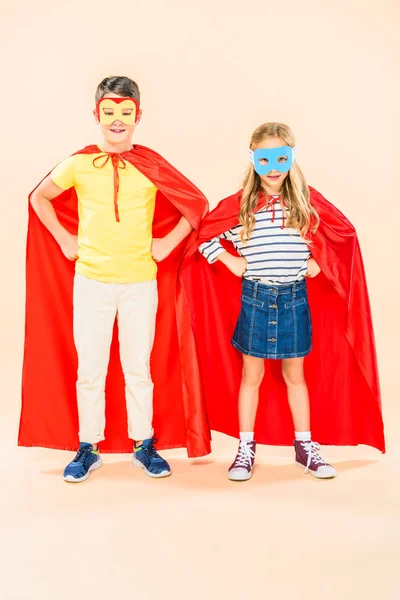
(49,409)
(341,370)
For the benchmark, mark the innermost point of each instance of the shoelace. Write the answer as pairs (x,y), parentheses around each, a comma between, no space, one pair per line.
(312,449)
(118,163)
(271,205)
(82,455)
(244,455)
(151,451)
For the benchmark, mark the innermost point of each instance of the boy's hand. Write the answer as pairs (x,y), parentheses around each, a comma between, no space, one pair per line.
(160,249)
(69,246)
(313,268)
(236,264)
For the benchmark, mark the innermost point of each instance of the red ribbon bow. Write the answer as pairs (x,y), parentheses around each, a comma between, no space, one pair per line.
(117,162)
(271,205)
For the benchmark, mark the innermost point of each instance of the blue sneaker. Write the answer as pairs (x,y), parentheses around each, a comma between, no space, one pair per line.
(147,458)
(85,461)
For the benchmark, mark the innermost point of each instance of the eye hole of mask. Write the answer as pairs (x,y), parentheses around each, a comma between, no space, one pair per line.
(263,161)
(282,159)
(109,110)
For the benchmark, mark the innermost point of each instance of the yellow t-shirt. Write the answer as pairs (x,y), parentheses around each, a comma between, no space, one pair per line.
(108,250)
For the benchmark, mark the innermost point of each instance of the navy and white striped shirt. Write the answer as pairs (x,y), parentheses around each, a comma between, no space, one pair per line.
(273,254)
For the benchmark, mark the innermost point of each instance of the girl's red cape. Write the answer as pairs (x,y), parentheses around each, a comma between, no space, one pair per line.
(341,370)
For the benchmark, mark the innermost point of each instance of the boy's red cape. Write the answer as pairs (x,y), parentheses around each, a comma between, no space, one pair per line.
(49,409)
(341,370)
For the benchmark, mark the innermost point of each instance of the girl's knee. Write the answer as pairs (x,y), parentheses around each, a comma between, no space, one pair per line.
(253,376)
(293,376)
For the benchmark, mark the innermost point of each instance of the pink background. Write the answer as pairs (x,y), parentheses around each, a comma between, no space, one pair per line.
(209,73)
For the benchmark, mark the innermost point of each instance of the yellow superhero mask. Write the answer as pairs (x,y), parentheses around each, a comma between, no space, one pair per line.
(125,110)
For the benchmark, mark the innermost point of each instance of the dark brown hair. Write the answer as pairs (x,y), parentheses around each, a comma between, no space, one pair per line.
(123,86)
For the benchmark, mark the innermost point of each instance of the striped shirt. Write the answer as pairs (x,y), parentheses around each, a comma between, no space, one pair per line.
(273,254)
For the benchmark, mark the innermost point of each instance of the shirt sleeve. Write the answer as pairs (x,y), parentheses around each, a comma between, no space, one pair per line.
(213,248)
(63,173)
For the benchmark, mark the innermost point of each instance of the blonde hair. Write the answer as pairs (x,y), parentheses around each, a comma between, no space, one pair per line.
(295,195)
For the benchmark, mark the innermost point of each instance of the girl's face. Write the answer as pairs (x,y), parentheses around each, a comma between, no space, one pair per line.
(273,181)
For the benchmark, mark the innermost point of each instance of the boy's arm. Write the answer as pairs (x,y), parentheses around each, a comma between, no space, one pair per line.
(162,247)
(41,201)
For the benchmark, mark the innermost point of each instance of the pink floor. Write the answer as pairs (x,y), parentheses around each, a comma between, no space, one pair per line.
(197,535)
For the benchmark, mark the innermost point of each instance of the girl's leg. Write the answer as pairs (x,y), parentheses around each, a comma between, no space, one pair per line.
(299,402)
(307,452)
(252,376)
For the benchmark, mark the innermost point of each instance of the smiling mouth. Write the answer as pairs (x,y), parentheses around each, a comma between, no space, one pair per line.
(114,130)
(273,176)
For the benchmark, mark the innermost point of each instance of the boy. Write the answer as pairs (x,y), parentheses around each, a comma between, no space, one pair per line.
(121,193)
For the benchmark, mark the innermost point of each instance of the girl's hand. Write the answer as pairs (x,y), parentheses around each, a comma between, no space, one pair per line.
(69,246)
(313,268)
(160,249)
(237,265)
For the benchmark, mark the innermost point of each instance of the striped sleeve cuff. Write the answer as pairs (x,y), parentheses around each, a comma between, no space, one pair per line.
(211,250)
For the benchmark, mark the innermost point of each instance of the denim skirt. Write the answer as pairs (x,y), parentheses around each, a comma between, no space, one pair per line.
(274,321)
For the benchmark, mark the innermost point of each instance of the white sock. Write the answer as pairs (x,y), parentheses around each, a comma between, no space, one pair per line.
(303,436)
(246,436)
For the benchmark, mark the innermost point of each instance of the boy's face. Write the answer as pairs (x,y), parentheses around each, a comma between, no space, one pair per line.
(117,132)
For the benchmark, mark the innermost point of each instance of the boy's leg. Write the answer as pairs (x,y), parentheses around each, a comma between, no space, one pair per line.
(137,309)
(95,306)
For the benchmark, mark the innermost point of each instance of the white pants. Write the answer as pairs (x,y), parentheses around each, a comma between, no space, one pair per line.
(96,305)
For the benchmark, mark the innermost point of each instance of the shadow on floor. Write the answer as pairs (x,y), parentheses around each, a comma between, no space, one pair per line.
(207,474)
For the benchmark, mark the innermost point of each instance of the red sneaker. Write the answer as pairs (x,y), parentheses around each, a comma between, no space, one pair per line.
(242,466)
(308,457)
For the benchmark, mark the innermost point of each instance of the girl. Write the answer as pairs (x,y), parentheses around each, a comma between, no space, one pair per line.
(274,244)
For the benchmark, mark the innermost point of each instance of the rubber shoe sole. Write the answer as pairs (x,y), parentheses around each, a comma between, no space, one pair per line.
(244,475)
(93,467)
(319,475)
(137,463)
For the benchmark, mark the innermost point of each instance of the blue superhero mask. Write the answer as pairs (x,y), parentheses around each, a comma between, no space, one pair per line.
(279,159)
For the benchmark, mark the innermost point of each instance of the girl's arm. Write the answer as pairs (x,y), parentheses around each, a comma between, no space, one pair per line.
(313,268)
(213,251)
